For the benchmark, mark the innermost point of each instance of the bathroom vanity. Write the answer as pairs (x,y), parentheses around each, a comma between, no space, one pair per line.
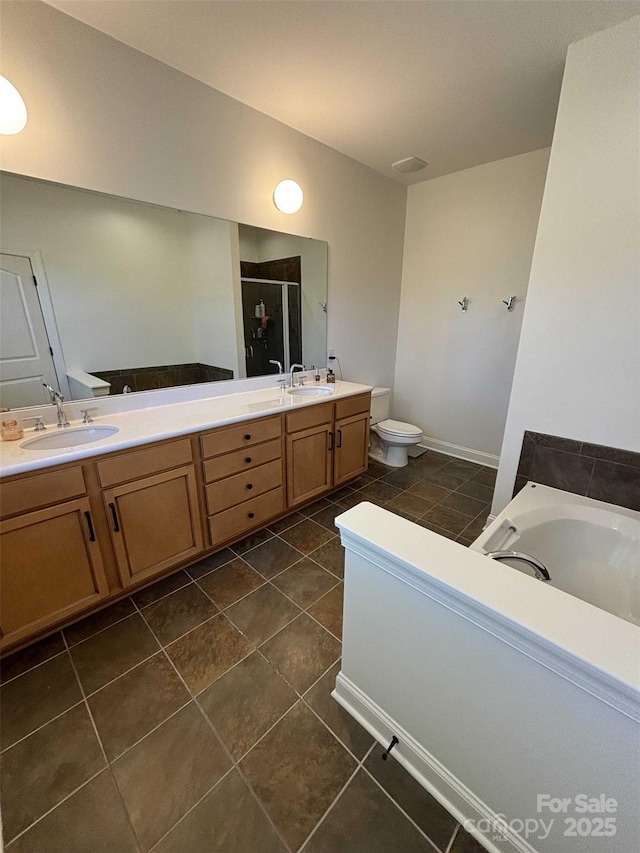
(82,525)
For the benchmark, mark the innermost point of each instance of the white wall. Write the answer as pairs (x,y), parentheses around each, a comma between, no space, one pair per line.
(131,285)
(211,273)
(578,367)
(467,234)
(105,117)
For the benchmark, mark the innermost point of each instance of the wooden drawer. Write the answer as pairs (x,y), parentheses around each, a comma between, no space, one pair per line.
(309,417)
(243,435)
(242,487)
(140,463)
(232,523)
(41,490)
(353,406)
(241,460)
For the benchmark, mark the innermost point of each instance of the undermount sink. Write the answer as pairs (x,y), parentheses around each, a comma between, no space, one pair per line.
(69,437)
(310,391)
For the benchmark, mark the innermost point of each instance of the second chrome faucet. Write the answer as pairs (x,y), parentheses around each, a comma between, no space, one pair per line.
(57,399)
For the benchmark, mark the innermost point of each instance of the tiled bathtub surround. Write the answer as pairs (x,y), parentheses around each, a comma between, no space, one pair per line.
(162,376)
(195,715)
(593,470)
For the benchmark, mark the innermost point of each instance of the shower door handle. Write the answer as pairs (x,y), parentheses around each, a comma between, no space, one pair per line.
(249,351)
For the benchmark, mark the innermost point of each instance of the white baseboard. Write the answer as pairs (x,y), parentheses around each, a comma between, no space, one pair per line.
(460,452)
(443,785)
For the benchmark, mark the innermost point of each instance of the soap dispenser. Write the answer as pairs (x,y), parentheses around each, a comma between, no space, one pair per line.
(261,310)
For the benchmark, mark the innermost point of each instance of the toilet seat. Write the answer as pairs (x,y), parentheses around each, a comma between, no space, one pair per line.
(399,428)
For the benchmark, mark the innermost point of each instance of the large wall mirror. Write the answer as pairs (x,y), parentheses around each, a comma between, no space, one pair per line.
(103,295)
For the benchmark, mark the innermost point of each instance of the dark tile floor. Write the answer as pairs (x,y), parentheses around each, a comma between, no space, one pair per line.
(196,714)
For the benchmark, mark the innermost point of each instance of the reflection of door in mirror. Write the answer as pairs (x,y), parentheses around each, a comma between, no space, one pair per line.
(25,353)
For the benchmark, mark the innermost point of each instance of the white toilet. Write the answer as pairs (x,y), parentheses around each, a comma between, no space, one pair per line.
(389,439)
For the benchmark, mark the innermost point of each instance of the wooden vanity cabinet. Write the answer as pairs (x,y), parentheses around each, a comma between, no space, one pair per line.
(154,521)
(351,448)
(310,444)
(51,564)
(327,445)
(243,474)
(76,536)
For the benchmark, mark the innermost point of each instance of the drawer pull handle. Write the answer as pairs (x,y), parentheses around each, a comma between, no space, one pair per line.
(249,485)
(92,535)
(247,437)
(248,459)
(116,526)
(330,441)
(251,515)
(339,438)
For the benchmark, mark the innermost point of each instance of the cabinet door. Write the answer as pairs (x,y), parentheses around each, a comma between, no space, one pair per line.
(154,522)
(352,448)
(51,568)
(309,463)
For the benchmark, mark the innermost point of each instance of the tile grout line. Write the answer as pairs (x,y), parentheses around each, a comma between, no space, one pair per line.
(35,666)
(456,832)
(219,740)
(101,745)
(53,808)
(100,630)
(42,725)
(319,823)
(406,814)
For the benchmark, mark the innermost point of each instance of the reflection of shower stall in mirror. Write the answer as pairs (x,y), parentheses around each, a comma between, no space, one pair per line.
(272,321)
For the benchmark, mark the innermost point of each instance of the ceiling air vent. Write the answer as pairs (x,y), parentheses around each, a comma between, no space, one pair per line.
(409,164)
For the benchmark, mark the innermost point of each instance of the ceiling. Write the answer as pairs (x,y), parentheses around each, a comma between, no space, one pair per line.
(456,83)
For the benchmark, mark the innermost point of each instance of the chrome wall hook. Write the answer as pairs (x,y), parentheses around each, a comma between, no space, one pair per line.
(464,304)
(510,303)
(323,305)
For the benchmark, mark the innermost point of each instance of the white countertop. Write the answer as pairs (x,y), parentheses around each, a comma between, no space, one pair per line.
(154,423)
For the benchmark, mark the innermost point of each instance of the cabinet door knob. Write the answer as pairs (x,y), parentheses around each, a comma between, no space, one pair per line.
(249,485)
(251,515)
(247,437)
(247,459)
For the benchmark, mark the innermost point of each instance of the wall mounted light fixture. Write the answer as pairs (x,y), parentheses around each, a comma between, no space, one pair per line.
(288,196)
(13,112)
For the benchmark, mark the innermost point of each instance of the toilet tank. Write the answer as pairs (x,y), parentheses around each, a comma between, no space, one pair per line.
(380,403)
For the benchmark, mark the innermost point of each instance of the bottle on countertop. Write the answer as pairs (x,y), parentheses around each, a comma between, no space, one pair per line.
(317,376)
(331,377)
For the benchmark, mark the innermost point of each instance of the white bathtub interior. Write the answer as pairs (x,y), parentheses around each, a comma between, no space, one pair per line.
(590,548)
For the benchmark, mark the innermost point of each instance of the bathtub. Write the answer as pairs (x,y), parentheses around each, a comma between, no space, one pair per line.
(590,548)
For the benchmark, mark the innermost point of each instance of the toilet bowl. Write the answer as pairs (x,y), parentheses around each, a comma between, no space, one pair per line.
(390,439)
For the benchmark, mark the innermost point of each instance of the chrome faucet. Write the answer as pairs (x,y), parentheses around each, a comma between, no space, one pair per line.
(57,399)
(539,568)
(277,363)
(293,367)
